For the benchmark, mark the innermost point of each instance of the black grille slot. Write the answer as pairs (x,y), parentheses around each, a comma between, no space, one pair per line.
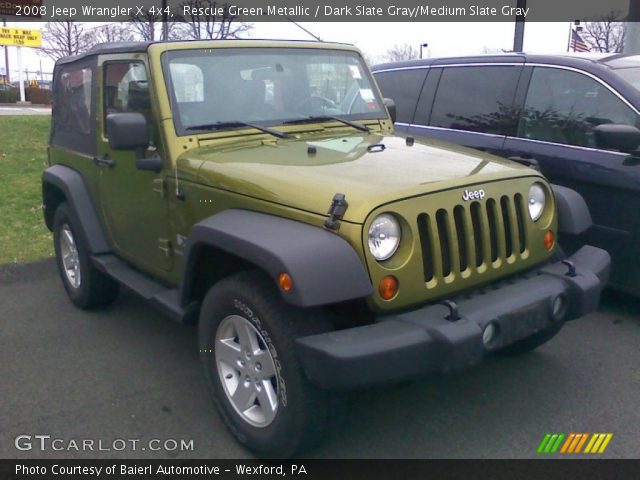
(424,229)
(476,222)
(520,215)
(458,216)
(472,236)
(506,219)
(492,216)
(442,220)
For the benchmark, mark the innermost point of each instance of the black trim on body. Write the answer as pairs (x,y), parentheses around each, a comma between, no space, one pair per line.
(411,344)
(574,217)
(72,186)
(325,269)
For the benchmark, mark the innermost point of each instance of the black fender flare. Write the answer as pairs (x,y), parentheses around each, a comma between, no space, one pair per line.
(324,267)
(574,217)
(84,217)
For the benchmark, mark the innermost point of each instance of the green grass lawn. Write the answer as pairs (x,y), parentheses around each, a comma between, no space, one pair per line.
(23,156)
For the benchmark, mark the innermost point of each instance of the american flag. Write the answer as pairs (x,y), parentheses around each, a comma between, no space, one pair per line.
(577,43)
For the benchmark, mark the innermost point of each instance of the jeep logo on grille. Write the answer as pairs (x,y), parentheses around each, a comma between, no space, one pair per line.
(473,195)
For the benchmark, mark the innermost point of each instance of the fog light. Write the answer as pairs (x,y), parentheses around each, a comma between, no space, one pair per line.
(388,287)
(559,307)
(489,334)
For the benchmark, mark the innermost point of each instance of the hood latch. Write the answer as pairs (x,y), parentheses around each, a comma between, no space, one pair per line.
(336,211)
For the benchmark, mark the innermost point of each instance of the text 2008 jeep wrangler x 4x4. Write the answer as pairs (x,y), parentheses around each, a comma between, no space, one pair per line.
(257,188)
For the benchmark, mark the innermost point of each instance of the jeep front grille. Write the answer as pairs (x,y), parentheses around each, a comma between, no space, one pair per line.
(472,238)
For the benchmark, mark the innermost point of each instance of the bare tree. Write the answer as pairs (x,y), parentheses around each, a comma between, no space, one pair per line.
(109,33)
(207,26)
(147,25)
(607,35)
(62,38)
(398,53)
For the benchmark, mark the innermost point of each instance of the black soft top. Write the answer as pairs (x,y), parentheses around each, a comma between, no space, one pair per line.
(103,48)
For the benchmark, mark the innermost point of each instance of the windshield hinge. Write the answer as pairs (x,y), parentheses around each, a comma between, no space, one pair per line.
(336,211)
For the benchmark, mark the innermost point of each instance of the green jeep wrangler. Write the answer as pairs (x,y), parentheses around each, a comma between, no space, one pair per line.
(257,188)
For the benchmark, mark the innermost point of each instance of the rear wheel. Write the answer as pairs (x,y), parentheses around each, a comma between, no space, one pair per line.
(86,286)
(246,337)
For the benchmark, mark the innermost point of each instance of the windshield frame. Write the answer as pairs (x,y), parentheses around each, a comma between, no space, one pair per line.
(183,130)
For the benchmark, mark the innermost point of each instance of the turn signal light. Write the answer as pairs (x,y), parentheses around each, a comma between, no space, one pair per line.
(285,282)
(549,240)
(388,287)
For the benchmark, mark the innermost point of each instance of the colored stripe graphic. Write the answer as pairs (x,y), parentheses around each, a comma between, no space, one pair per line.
(573,443)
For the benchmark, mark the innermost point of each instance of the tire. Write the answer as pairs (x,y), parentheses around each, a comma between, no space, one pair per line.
(285,414)
(532,342)
(86,286)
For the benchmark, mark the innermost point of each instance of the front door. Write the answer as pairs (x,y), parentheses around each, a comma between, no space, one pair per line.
(562,108)
(133,203)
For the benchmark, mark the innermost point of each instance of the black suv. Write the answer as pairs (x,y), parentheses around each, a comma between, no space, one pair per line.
(575,118)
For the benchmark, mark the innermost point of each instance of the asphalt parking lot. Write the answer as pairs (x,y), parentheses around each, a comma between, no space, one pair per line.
(126,372)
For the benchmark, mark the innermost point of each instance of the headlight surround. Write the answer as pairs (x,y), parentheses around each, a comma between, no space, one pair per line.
(384,236)
(536,201)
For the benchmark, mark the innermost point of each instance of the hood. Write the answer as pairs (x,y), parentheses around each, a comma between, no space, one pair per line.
(369,169)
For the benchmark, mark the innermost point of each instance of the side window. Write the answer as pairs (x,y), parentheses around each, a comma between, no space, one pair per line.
(403,87)
(73,115)
(563,106)
(478,99)
(126,88)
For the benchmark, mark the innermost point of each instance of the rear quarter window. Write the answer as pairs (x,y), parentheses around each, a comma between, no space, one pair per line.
(73,116)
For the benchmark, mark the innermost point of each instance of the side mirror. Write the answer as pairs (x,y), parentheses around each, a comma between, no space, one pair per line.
(127,131)
(612,136)
(391,107)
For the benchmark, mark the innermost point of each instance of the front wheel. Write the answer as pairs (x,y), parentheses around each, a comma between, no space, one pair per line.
(86,286)
(246,335)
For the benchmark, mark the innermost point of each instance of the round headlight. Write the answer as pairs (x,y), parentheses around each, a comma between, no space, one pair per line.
(536,202)
(384,236)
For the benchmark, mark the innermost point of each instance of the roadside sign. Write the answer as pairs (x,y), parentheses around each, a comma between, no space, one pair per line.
(20,37)
(19,9)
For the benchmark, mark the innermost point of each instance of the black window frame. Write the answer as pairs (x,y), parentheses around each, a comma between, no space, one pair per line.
(85,143)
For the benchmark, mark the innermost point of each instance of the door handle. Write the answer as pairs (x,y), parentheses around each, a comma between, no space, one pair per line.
(527,161)
(104,162)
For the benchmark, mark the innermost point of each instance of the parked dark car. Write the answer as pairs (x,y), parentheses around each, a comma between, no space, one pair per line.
(577,118)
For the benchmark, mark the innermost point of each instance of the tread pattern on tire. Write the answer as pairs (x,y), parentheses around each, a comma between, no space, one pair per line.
(317,410)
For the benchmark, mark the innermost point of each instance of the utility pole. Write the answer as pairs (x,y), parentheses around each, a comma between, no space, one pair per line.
(632,37)
(6,56)
(165,20)
(518,36)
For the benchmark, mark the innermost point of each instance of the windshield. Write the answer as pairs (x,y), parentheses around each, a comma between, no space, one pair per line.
(267,86)
(631,75)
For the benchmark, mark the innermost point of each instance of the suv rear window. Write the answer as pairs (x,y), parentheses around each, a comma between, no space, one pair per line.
(478,99)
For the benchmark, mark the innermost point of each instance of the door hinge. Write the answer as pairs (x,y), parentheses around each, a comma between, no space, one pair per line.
(159,187)
(164,244)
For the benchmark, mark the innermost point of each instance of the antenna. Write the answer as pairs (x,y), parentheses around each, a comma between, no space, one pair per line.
(302,28)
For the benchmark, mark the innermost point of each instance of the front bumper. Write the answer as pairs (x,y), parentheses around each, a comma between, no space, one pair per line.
(414,343)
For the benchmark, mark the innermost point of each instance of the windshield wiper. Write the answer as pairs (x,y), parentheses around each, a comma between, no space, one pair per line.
(327,118)
(238,123)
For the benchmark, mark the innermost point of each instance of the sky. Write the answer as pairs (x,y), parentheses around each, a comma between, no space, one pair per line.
(375,38)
